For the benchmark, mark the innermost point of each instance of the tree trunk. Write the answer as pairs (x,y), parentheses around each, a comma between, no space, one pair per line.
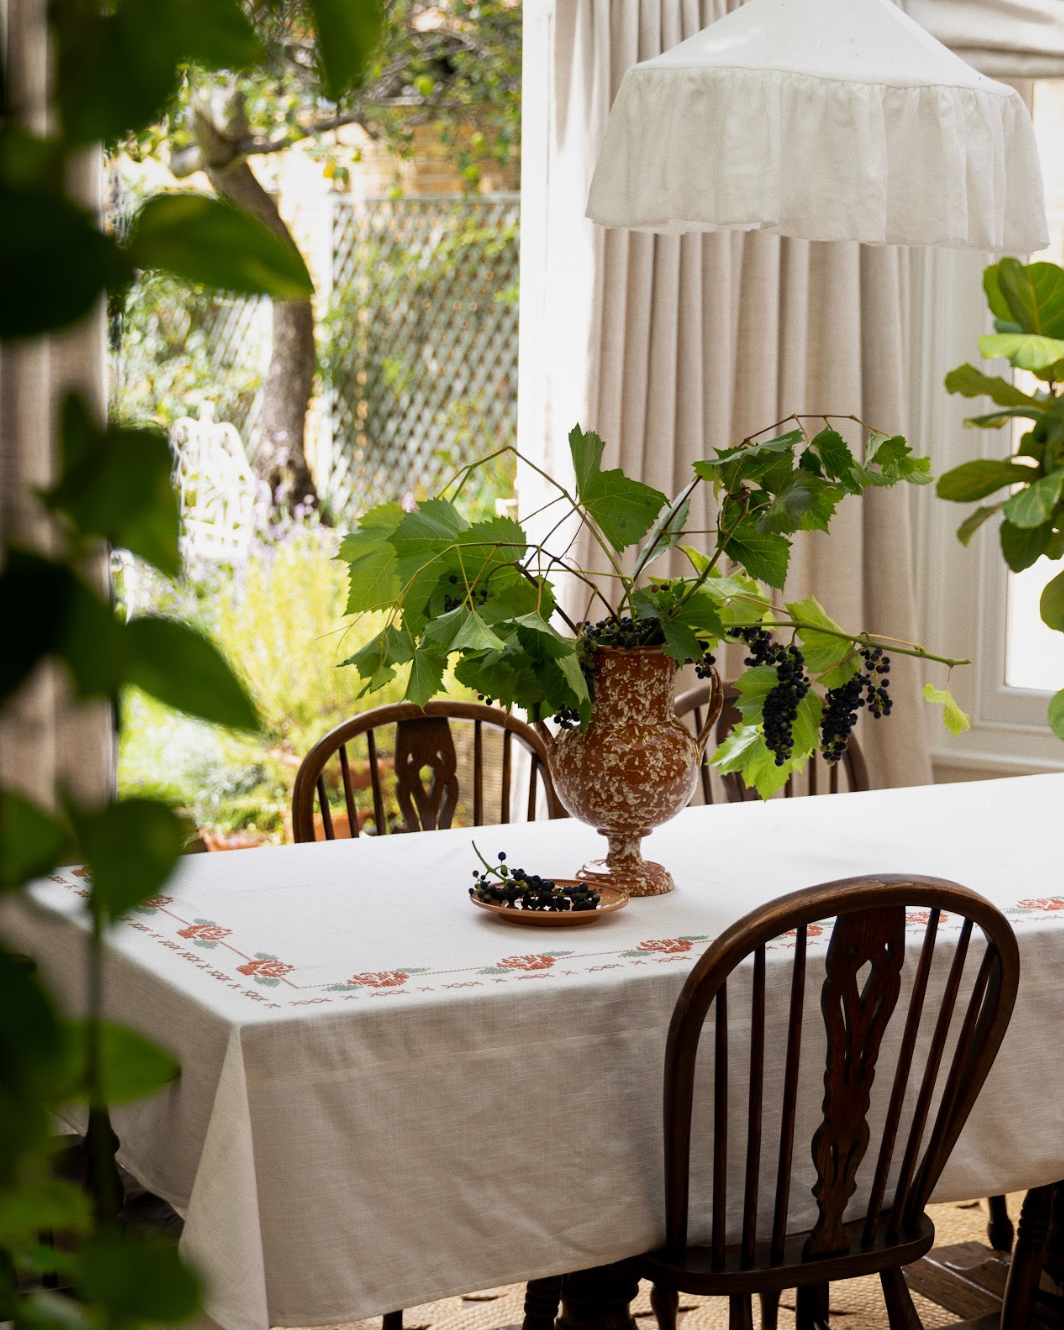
(280,460)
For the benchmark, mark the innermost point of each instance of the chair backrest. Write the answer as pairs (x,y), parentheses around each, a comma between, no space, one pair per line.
(863,966)
(818,777)
(410,771)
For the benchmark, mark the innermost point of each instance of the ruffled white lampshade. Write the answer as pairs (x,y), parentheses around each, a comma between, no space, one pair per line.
(826,120)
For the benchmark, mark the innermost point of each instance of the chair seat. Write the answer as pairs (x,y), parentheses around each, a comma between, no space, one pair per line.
(692,1270)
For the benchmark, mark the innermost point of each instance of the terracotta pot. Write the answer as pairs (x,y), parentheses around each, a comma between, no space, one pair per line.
(634,767)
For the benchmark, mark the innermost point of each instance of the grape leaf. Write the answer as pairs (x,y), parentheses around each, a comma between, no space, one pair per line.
(745,752)
(763,556)
(753,686)
(426,672)
(832,659)
(954,719)
(806,730)
(624,510)
(834,452)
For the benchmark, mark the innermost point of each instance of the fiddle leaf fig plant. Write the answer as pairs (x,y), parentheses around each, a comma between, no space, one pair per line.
(1027,301)
(479,589)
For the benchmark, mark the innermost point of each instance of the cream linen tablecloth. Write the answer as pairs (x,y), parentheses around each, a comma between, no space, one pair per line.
(388,1096)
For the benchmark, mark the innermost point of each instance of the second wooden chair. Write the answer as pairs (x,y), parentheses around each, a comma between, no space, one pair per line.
(427,793)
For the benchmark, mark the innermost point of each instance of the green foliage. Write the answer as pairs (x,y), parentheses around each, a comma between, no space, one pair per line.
(481,590)
(116,65)
(1028,303)
(955,720)
(206,241)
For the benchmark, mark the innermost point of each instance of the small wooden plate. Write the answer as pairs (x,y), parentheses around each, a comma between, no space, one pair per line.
(610,899)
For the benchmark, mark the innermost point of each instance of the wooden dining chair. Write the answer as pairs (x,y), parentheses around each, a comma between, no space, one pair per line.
(862,972)
(419,743)
(818,777)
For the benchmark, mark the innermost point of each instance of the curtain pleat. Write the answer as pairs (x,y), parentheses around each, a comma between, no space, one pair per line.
(670,346)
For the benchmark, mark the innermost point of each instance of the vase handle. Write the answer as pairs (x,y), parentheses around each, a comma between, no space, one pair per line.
(716,703)
(549,741)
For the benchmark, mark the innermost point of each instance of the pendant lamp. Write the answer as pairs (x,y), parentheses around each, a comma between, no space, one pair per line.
(824,120)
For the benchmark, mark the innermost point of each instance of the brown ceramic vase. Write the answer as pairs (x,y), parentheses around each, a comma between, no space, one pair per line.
(634,767)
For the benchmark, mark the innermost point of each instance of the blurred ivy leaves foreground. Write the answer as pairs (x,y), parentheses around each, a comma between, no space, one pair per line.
(116,65)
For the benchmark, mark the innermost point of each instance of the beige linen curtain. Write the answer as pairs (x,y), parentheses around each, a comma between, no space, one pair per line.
(46,743)
(668,346)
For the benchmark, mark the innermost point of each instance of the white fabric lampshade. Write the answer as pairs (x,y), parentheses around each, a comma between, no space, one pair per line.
(824,120)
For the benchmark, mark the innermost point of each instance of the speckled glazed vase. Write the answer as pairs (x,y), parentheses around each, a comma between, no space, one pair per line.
(633,768)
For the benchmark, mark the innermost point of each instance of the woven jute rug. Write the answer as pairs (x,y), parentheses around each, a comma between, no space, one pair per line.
(856,1304)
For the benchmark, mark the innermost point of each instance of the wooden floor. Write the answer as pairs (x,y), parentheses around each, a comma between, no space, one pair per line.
(855,1305)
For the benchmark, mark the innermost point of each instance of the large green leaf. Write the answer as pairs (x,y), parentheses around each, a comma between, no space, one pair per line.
(1056,714)
(1051,603)
(31,840)
(624,510)
(116,484)
(974,521)
(180,667)
(205,240)
(57,615)
(118,66)
(54,263)
(348,31)
(764,556)
(1032,505)
(1034,294)
(137,1280)
(976,479)
(834,452)
(1024,350)
(129,1066)
(972,382)
(130,848)
(797,495)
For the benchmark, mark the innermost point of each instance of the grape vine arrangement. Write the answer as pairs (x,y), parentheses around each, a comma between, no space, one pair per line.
(477,596)
(517,889)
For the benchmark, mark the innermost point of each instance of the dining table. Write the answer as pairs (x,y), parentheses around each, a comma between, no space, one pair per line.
(389,1096)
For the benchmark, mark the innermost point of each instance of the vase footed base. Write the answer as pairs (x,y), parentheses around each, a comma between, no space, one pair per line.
(643,878)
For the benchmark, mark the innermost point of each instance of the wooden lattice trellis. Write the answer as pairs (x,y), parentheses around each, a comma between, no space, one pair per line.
(422,361)
(418,347)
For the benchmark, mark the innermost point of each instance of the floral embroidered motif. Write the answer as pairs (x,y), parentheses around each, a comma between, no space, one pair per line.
(667,944)
(811,930)
(205,933)
(265,969)
(923,917)
(543,960)
(80,872)
(378,979)
(1041,903)
(152,904)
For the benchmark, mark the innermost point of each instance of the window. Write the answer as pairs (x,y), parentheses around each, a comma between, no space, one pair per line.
(968,598)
